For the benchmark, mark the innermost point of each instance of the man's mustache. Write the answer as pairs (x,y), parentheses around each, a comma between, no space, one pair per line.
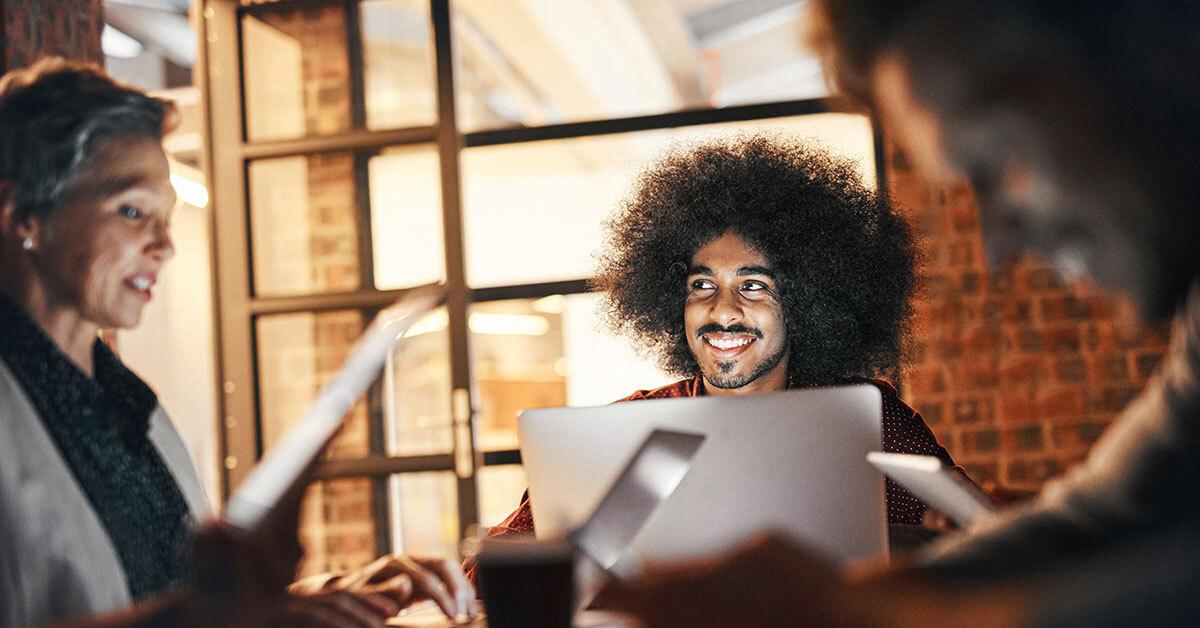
(736,328)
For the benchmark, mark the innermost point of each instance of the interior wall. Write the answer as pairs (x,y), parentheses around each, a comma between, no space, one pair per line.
(34,28)
(1017,372)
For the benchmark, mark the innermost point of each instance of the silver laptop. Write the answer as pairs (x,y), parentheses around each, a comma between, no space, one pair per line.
(792,462)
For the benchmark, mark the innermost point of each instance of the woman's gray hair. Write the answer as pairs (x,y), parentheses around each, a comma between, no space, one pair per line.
(54,116)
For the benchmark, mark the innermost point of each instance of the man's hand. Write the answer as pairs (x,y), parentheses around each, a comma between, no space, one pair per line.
(392,583)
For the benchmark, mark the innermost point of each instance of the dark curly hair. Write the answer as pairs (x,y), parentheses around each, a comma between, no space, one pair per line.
(843,257)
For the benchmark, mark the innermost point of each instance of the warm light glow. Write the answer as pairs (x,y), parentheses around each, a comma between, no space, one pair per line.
(485,323)
(553,304)
(434,322)
(118,44)
(509,324)
(191,192)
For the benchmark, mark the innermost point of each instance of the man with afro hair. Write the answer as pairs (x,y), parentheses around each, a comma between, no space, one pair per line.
(756,265)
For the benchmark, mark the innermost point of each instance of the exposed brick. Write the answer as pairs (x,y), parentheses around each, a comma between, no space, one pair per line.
(1070,370)
(1147,362)
(1031,472)
(983,441)
(1029,339)
(981,341)
(1078,435)
(1099,337)
(1110,367)
(962,253)
(983,472)
(1060,308)
(1098,306)
(1024,370)
(949,313)
(978,376)
(1028,438)
(1060,402)
(969,282)
(948,346)
(925,380)
(1042,279)
(1091,432)
(937,286)
(967,411)
(1062,339)
(1115,398)
(1014,351)
(1015,408)
(1002,281)
(932,413)
(963,217)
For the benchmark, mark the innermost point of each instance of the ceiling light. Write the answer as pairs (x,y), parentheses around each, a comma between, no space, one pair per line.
(118,44)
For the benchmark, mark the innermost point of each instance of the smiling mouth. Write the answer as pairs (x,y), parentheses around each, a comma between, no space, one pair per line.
(140,284)
(727,346)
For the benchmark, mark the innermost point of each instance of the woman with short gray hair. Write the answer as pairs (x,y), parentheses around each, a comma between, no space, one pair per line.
(99,500)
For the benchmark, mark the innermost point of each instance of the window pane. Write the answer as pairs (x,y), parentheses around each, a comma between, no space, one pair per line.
(296,72)
(338,525)
(297,354)
(347,523)
(417,410)
(515,194)
(397,52)
(500,489)
(406,217)
(547,352)
(424,513)
(304,225)
(532,63)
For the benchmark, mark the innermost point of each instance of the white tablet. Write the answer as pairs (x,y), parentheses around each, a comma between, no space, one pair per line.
(945,489)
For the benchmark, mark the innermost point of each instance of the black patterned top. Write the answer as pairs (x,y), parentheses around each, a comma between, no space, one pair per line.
(100,426)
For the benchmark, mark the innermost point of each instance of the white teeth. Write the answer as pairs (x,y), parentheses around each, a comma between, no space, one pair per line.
(141,283)
(722,343)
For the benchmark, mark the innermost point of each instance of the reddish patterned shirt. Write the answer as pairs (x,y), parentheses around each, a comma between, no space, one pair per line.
(904,431)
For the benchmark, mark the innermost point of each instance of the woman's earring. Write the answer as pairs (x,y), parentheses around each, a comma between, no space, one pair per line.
(27,244)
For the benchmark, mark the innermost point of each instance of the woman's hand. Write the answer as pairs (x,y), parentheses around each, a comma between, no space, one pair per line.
(392,583)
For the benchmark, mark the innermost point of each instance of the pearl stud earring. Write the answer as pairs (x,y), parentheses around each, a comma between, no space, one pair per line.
(27,244)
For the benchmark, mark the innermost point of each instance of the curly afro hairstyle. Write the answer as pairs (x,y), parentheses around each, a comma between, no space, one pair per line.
(843,257)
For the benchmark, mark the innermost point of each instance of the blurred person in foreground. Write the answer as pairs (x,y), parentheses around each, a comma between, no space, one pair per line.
(99,500)
(755,265)
(1078,124)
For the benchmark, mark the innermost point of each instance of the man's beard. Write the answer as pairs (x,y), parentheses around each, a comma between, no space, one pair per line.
(725,381)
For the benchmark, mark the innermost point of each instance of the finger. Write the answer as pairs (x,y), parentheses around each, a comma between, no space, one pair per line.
(382,605)
(453,576)
(383,569)
(399,588)
(426,583)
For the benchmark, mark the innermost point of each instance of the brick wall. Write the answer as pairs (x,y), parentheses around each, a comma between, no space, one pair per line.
(1017,373)
(36,28)
(338,527)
